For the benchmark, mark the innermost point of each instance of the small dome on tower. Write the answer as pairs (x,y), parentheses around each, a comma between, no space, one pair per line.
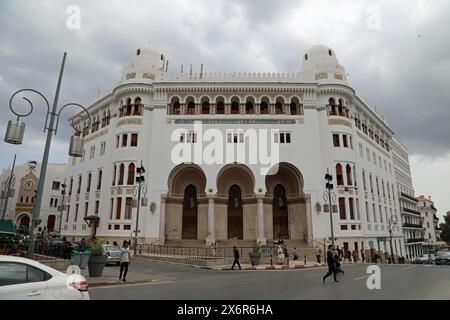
(145,63)
(321,65)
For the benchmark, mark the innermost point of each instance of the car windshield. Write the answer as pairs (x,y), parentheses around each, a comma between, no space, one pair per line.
(111,248)
(444,254)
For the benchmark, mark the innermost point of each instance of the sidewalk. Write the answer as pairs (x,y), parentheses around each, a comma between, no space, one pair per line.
(111,277)
(292,266)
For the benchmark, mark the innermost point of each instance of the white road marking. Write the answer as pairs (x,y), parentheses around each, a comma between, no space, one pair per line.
(361,277)
(131,284)
(406,268)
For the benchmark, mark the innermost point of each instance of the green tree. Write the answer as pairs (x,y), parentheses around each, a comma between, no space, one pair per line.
(445,229)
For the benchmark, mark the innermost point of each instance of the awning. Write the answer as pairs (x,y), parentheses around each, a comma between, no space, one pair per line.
(7,227)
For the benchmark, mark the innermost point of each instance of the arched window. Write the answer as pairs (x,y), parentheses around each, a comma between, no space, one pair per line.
(176,108)
(235,106)
(279,106)
(339,176)
(121,174)
(349,175)
(220,107)
(341,108)
(190,197)
(249,108)
(137,107)
(205,107)
(191,108)
(114,175)
(293,108)
(26,199)
(264,107)
(332,105)
(129,107)
(131,171)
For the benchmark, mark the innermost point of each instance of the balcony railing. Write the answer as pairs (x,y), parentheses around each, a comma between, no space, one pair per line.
(412,225)
(411,211)
(407,196)
(415,240)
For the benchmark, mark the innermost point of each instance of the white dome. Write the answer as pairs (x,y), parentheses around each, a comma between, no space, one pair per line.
(321,65)
(146,62)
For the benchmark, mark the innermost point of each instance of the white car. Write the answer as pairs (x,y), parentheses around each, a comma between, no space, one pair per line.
(26,279)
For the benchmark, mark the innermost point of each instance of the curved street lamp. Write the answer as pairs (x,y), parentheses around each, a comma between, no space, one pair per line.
(16,129)
(139,190)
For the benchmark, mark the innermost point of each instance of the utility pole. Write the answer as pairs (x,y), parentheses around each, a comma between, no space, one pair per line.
(10,181)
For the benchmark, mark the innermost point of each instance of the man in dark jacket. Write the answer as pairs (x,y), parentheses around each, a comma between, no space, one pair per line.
(331,265)
(236,258)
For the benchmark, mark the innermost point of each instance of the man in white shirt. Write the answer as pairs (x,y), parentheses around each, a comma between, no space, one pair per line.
(124,260)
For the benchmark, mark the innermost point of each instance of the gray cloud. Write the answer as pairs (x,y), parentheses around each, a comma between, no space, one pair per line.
(404,75)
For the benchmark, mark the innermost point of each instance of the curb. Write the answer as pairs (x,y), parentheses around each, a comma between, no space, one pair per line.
(112,283)
(273,267)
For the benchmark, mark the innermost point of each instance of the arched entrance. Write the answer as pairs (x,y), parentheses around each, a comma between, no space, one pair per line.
(189,217)
(51,222)
(284,184)
(186,204)
(280,213)
(235,213)
(235,187)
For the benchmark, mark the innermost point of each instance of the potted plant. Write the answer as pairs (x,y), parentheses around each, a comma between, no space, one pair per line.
(255,255)
(97,259)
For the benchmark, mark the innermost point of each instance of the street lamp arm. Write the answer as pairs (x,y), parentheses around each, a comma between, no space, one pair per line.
(74,118)
(19,115)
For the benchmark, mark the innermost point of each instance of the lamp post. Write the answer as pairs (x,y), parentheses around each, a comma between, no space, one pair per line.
(61,208)
(331,198)
(138,190)
(15,131)
(6,190)
(392,221)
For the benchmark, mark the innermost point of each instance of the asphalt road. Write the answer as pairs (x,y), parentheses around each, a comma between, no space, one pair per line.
(402,282)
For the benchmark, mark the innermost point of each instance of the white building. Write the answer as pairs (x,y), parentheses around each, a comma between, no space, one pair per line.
(428,213)
(411,219)
(313,117)
(20,206)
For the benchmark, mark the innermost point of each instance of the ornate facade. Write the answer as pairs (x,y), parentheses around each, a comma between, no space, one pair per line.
(313,120)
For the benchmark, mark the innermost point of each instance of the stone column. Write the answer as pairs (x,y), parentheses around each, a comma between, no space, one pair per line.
(162,221)
(211,223)
(260,220)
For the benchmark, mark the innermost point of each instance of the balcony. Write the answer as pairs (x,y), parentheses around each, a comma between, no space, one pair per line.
(417,213)
(415,240)
(407,196)
(412,225)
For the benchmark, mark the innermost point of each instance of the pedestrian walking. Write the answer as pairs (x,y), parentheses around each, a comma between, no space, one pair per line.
(337,262)
(236,258)
(295,254)
(318,255)
(355,255)
(124,261)
(331,265)
(363,256)
(280,255)
(286,254)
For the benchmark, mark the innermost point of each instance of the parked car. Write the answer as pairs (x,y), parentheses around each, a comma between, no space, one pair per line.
(443,257)
(425,259)
(113,254)
(26,279)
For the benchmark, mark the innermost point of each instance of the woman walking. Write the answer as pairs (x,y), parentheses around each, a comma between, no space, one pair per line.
(124,261)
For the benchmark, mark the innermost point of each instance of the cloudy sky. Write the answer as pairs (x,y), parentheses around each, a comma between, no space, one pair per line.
(397,54)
